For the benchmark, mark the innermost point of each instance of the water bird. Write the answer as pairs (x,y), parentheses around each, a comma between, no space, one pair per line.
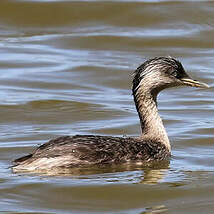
(153,144)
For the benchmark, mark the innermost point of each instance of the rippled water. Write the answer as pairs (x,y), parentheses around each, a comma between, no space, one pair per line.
(65,68)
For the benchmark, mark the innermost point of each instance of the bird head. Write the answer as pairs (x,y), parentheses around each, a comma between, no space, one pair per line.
(162,72)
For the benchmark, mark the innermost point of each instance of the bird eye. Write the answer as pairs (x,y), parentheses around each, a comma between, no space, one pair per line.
(173,73)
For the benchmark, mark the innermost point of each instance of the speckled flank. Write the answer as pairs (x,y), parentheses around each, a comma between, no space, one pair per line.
(82,150)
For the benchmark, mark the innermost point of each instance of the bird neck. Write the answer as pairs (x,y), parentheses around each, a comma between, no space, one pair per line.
(151,122)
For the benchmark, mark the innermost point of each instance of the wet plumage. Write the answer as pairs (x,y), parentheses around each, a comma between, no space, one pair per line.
(83,150)
(153,145)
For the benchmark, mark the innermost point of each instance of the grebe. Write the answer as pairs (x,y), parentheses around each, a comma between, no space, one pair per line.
(66,152)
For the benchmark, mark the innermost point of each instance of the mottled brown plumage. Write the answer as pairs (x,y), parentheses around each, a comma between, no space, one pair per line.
(153,145)
(90,149)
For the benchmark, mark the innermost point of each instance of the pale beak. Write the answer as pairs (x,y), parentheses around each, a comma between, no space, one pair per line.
(194,83)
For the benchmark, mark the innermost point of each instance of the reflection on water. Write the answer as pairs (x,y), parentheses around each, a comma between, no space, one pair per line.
(154,176)
(66,68)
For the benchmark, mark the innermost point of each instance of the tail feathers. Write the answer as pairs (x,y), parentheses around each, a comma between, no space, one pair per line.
(22,159)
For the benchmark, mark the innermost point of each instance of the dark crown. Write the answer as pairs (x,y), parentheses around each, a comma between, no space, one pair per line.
(167,65)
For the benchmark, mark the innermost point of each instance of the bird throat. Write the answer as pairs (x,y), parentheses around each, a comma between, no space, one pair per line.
(151,122)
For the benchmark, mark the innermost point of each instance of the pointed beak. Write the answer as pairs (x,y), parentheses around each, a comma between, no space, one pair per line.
(194,83)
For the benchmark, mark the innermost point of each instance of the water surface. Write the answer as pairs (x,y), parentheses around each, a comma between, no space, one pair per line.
(66,68)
